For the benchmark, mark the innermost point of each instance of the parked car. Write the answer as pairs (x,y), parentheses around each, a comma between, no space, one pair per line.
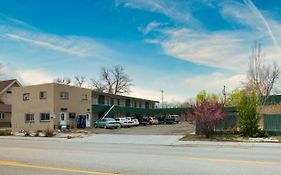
(134,120)
(143,120)
(153,121)
(176,118)
(166,119)
(125,122)
(107,123)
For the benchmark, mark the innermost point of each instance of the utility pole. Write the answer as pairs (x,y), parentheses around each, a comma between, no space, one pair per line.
(224,94)
(162,97)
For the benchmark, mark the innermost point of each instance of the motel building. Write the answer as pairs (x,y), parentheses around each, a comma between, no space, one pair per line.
(54,106)
(50,106)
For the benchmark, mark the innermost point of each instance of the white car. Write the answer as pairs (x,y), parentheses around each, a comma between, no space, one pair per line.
(134,120)
(124,122)
(153,121)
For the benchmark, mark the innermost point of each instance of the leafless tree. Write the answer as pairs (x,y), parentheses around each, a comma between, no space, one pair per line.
(79,80)
(65,81)
(98,86)
(113,80)
(261,77)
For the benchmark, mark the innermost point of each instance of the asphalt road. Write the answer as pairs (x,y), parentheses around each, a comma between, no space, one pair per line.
(64,157)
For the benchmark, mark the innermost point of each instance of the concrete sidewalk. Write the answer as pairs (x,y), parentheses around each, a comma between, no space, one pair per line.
(164,140)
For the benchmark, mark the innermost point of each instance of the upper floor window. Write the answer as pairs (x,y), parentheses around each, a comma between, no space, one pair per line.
(43,95)
(84,97)
(44,117)
(118,102)
(64,95)
(26,96)
(29,117)
(2,116)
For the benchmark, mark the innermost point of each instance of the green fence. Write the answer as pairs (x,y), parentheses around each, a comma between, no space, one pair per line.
(229,123)
(272,123)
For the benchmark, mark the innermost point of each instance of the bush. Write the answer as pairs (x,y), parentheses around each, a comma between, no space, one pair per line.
(248,115)
(5,133)
(206,115)
(261,133)
(49,133)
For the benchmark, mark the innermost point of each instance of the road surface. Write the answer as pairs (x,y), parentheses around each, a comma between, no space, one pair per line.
(64,157)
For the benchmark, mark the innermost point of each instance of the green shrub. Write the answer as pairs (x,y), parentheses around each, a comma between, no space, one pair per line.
(261,133)
(5,133)
(248,115)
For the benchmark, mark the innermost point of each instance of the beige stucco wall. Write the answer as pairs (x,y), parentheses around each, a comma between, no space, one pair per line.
(52,105)
(74,104)
(34,105)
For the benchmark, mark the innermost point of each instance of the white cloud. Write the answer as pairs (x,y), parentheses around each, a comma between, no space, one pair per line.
(222,49)
(149,27)
(12,29)
(171,9)
(142,92)
(214,82)
(31,77)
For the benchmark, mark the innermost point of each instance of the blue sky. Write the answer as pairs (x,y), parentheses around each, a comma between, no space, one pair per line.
(179,46)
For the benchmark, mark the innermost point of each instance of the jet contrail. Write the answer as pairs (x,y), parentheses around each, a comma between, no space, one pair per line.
(256,11)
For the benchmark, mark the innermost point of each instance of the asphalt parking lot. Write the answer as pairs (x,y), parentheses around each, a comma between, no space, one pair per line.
(181,128)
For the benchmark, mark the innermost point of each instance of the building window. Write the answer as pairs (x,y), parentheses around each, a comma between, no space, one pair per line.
(43,95)
(84,97)
(72,115)
(2,115)
(64,95)
(135,104)
(29,117)
(118,102)
(140,104)
(44,117)
(26,96)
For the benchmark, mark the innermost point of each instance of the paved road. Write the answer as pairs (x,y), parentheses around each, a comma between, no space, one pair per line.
(65,157)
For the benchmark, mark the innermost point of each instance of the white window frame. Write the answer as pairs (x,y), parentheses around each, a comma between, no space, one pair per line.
(84,97)
(31,115)
(45,113)
(2,115)
(43,95)
(64,95)
(26,96)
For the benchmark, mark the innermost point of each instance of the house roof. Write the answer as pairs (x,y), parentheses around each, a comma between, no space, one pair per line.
(5,108)
(4,85)
(121,96)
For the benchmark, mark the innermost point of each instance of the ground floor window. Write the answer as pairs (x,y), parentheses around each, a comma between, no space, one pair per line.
(2,115)
(44,117)
(29,117)
(72,116)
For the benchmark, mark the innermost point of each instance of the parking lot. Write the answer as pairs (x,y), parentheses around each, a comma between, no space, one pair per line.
(181,128)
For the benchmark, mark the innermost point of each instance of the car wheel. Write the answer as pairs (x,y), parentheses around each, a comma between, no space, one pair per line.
(95,126)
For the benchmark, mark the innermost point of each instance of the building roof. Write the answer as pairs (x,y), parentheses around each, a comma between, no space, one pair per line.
(5,108)
(272,100)
(122,96)
(4,85)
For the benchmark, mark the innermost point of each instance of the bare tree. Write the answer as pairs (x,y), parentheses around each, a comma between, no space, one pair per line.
(98,86)
(79,80)
(261,77)
(113,80)
(65,81)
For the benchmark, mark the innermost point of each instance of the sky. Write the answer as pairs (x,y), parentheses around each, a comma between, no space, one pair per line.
(179,46)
